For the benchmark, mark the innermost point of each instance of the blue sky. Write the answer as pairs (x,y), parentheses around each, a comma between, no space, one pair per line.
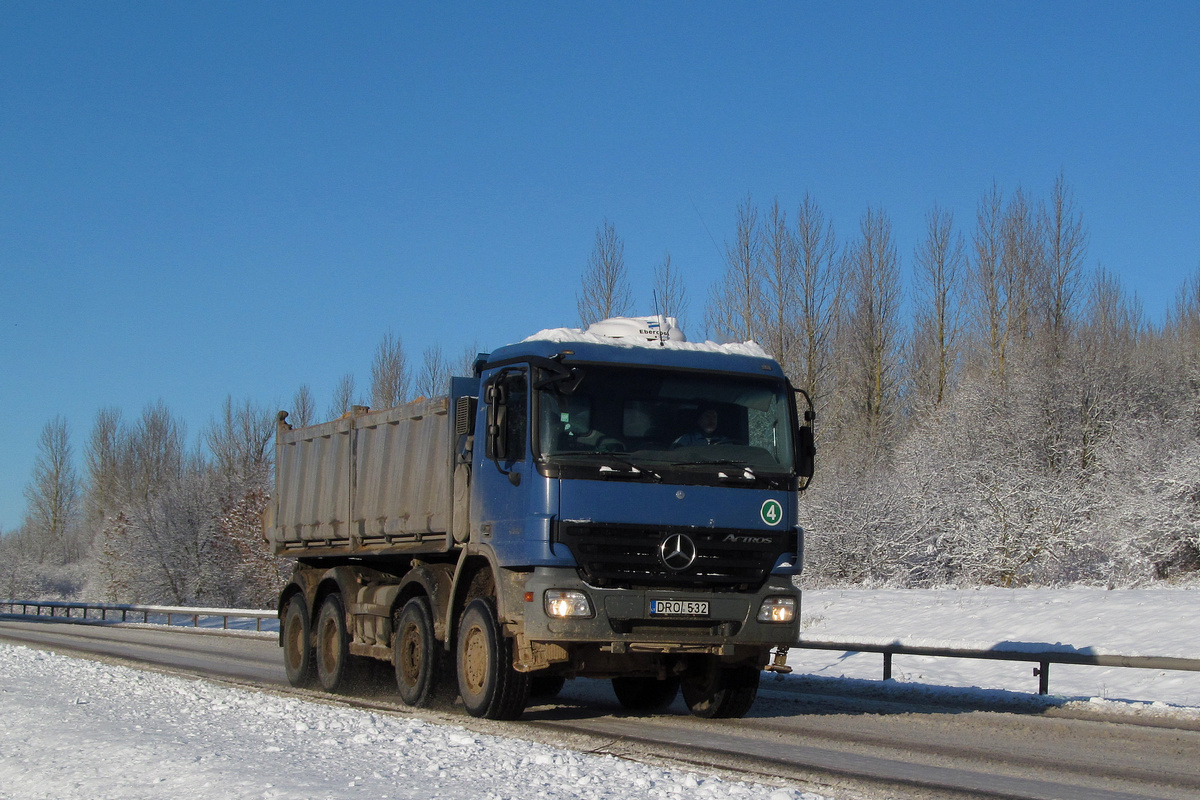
(209,199)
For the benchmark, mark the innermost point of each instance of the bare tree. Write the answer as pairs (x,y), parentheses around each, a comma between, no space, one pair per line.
(240,443)
(234,497)
(605,291)
(156,452)
(389,373)
(939,264)
(874,320)
(435,372)
(1008,269)
(734,301)
(465,366)
(1107,350)
(106,460)
(989,302)
(778,312)
(816,248)
(303,407)
(53,495)
(343,397)
(1065,249)
(1021,267)
(669,292)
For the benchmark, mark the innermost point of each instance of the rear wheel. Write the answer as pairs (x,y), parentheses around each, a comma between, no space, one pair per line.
(717,692)
(645,693)
(487,682)
(298,645)
(416,655)
(333,646)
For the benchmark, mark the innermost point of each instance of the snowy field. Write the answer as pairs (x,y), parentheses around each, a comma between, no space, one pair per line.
(76,729)
(1152,622)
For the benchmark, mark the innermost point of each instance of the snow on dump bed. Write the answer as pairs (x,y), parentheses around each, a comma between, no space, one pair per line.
(82,730)
(576,335)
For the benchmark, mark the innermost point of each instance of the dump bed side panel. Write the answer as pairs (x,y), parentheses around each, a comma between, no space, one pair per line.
(375,483)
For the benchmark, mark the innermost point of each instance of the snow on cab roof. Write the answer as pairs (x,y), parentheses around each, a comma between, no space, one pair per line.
(649,332)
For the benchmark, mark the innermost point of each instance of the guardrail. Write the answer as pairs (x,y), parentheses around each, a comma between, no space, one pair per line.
(1042,655)
(103,612)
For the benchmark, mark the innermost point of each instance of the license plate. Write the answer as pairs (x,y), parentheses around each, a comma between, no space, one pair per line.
(679,608)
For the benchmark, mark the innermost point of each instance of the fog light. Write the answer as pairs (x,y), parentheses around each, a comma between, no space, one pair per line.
(567,603)
(777,609)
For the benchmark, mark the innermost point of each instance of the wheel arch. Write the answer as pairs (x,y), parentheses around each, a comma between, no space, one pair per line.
(474,576)
(432,581)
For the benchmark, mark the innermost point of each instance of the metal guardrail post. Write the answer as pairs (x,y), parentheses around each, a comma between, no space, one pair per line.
(1042,671)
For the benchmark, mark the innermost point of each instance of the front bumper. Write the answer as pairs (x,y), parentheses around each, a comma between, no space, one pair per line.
(622,617)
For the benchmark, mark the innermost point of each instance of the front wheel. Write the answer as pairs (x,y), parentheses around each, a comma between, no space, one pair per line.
(298,645)
(487,682)
(717,692)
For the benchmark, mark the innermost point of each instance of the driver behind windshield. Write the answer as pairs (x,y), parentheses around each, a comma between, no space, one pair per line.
(705,432)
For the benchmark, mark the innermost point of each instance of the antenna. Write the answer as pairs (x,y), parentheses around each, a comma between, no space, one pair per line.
(662,322)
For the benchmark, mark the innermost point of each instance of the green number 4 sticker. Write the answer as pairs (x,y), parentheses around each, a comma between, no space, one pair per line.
(772,512)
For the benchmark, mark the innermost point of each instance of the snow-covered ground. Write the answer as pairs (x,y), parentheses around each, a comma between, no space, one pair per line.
(82,730)
(76,729)
(1155,622)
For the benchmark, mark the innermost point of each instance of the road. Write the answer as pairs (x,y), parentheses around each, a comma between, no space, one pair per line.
(838,744)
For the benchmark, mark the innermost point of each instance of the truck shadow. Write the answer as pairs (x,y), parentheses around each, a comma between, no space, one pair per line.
(797,695)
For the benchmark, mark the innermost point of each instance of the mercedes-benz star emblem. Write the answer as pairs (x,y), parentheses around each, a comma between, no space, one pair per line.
(677,551)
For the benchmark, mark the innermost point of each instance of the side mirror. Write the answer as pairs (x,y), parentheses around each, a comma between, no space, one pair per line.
(496,436)
(806,445)
(496,447)
(806,452)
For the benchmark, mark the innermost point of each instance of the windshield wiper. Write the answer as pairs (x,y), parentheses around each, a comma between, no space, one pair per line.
(746,472)
(635,468)
(716,462)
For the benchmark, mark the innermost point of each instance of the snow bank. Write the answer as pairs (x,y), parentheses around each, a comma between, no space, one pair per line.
(83,730)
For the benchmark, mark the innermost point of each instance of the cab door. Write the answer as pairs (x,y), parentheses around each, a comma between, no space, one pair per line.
(500,504)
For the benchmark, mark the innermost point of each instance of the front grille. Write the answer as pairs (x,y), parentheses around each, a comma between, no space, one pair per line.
(628,556)
(658,628)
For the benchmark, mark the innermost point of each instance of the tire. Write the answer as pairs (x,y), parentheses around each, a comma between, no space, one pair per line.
(332,643)
(645,694)
(416,655)
(721,692)
(488,684)
(545,687)
(298,660)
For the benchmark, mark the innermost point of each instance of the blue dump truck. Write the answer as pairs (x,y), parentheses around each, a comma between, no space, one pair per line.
(614,503)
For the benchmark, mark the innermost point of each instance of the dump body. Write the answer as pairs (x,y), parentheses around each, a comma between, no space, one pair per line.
(366,484)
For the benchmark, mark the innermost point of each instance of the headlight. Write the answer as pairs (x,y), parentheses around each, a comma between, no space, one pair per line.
(777,609)
(567,603)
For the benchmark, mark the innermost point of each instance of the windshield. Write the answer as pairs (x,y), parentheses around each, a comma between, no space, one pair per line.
(632,418)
